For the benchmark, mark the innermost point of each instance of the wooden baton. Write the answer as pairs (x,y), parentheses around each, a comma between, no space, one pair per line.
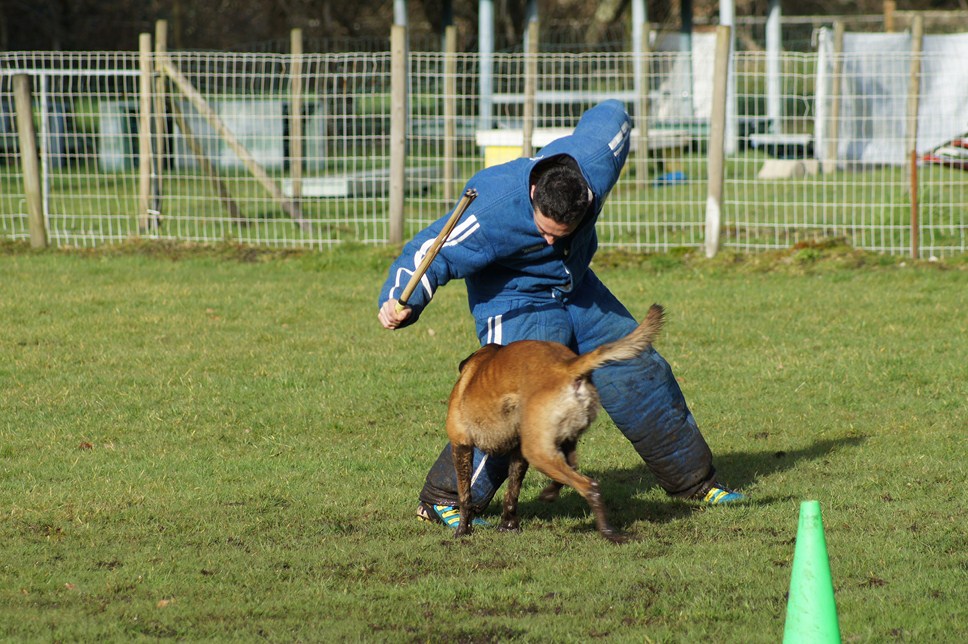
(465,201)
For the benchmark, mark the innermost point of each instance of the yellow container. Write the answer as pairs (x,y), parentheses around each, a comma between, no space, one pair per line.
(498,154)
(500,146)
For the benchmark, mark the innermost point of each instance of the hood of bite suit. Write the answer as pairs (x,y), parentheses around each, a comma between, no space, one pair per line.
(600,145)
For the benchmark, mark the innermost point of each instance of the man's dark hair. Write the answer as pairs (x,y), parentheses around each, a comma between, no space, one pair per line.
(560,191)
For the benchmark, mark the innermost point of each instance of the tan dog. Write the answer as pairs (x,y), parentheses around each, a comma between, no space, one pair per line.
(533,399)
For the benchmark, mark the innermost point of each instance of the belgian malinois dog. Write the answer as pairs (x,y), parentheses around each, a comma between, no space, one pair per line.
(533,399)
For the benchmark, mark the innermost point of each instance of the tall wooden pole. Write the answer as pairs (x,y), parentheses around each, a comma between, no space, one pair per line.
(398,129)
(145,161)
(161,119)
(914,86)
(295,116)
(642,107)
(530,89)
(914,96)
(717,142)
(890,9)
(833,126)
(30,162)
(915,215)
(450,111)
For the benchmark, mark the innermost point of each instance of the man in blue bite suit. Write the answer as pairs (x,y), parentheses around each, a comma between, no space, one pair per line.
(523,249)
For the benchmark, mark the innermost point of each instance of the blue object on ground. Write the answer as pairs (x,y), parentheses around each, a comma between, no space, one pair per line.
(670,179)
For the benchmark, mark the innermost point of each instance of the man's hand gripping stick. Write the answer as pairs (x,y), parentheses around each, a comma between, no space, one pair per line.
(465,201)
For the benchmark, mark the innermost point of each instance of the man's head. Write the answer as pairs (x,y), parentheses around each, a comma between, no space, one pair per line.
(560,196)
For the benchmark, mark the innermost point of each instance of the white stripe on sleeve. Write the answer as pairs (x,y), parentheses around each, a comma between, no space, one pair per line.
(618,140)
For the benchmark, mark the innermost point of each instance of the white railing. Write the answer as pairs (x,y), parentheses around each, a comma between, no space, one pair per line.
(222,167)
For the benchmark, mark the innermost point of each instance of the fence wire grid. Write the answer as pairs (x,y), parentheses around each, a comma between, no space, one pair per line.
(782,184)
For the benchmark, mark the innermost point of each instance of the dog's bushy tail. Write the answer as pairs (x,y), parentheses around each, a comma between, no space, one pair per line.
(631,346)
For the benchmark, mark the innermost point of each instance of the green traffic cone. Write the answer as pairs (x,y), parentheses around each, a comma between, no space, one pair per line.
(811,611)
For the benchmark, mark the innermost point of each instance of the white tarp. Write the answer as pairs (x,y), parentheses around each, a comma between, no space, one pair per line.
(685,77)
(874,88)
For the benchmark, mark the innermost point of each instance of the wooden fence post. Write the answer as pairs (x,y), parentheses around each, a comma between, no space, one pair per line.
(145,160)
(915,215)
(642,106)
(914,87)
(398,129)
(914,96)
(717,142)
(161,119)
(450,111)
(295,116)
(29,161)
(530,89)
(833,126)
(890,9)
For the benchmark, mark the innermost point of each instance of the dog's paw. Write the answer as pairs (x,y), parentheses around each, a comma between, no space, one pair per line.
(509,526)
(616,537)
(551,493)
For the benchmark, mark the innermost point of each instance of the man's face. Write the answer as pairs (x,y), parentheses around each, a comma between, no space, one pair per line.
(551,231)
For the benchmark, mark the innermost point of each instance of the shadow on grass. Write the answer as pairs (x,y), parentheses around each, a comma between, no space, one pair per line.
(743,469)
(622,488)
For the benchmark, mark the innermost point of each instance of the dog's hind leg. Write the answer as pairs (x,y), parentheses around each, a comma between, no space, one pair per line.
(553,465)
(509,517)
(553,489)
(594,499)
(463,463)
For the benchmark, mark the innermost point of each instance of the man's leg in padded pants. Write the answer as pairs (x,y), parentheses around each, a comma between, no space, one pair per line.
(641,395)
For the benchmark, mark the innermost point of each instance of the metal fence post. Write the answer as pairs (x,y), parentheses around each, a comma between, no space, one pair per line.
(29,161)
(717,142)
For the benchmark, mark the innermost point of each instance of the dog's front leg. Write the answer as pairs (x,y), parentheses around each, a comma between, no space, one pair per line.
(516,471)
(463,463)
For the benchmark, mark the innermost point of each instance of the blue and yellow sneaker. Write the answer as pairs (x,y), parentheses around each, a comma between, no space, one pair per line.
(447,515)
(718,494)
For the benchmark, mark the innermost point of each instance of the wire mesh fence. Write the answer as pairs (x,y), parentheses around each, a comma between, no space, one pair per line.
(230,156)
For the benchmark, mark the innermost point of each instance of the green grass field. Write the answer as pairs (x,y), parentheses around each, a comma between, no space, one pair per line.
(223,444)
